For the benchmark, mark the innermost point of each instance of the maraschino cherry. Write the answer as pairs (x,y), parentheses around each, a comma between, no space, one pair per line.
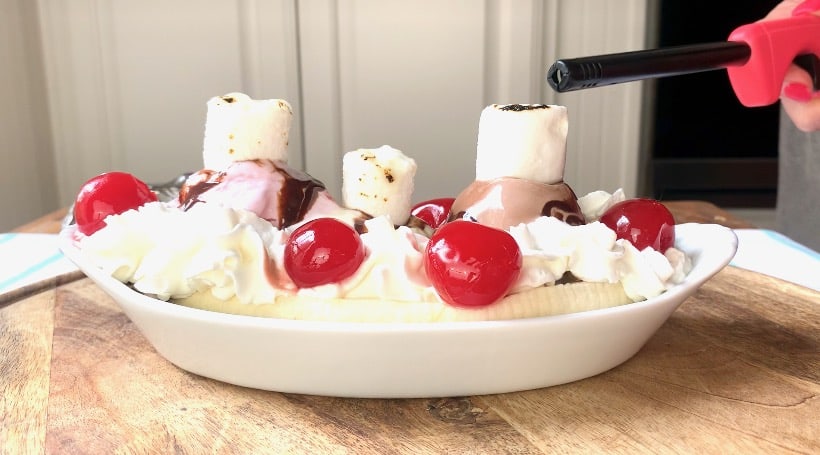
(644,222)
(111,193)
(323,251)
(470,264)
(433,212)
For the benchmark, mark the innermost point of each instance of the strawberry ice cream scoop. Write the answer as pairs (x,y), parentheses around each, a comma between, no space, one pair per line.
(271,189)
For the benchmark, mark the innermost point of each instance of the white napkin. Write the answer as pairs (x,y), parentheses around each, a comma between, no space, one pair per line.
(30,258)
(772,253)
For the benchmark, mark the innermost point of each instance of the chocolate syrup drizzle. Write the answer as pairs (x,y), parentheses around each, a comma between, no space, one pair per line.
(296,196)
(564,211)
(189,194)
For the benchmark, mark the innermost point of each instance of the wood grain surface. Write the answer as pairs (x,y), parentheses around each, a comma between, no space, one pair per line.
(736,369)
(25,360)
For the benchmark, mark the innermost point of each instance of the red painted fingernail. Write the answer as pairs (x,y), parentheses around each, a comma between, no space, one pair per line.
(797,92)
(807,7)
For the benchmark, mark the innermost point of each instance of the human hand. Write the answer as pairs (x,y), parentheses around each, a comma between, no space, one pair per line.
(798,98)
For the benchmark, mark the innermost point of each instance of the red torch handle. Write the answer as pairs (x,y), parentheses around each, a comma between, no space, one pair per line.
(774,46)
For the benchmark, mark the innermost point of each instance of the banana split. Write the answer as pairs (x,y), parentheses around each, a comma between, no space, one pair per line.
(252,235)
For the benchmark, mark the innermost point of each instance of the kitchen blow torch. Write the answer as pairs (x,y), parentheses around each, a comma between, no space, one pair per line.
(755,55)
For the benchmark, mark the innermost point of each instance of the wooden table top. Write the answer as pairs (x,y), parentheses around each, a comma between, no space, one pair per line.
(735,369)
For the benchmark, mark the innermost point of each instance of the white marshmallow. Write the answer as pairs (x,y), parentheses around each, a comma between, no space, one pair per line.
(238,128)
(379,182)
(527,141)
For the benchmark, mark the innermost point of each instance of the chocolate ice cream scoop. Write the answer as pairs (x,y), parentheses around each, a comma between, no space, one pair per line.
(507,201)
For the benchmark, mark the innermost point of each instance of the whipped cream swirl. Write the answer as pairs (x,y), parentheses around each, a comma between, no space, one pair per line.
(232,253)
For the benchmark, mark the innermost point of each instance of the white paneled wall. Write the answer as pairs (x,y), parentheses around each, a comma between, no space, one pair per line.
(604,137)
(409,74)
(128,81)
(416,75)
(26,164)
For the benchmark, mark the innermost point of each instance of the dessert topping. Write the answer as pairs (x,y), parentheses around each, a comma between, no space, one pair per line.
(238,128)
(644,222)
(111,193)
(434,212)
(523,141)
(322,251)
(273,190)
(379,182)
(506,202)
(472,265)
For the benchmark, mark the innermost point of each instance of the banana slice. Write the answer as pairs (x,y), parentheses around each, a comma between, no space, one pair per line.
(543,301)
(238,128)
(526,141)
(379,182)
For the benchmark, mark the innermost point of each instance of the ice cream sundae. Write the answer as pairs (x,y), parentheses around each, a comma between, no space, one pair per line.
(251,235)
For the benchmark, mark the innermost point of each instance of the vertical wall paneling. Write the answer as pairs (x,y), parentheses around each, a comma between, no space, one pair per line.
(413,77)
(604,134)
(25,141)
(548,35)
(320,94)
(73,67)
(407,74)
(269,58)
(513,44)
(128,81)
(416,75)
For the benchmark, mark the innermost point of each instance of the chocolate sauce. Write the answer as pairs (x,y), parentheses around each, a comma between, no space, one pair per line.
(564,211)
(295,197)
(189,194)
(299,191)
(358,224)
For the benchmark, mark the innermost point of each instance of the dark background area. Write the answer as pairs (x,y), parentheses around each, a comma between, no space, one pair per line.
(705,144)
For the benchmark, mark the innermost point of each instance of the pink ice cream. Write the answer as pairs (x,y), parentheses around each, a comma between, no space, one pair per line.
(272,190)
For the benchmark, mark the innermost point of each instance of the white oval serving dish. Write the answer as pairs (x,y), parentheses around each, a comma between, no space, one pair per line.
(410,360)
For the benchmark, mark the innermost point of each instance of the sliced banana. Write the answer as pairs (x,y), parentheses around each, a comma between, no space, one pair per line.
(543,301)
(379,182)
(526,141)
(238,128)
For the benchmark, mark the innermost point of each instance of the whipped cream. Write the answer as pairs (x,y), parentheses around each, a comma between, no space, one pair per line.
(392,270)
(170,253)
(591,252)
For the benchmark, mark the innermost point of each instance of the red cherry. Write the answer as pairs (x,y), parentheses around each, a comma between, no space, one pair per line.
(323,251)
(111,193)
(433,212)
(644,222)
(470,264)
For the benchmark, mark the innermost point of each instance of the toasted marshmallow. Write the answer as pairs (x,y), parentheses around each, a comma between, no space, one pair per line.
(527,141)
(238,128)
(379,182)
